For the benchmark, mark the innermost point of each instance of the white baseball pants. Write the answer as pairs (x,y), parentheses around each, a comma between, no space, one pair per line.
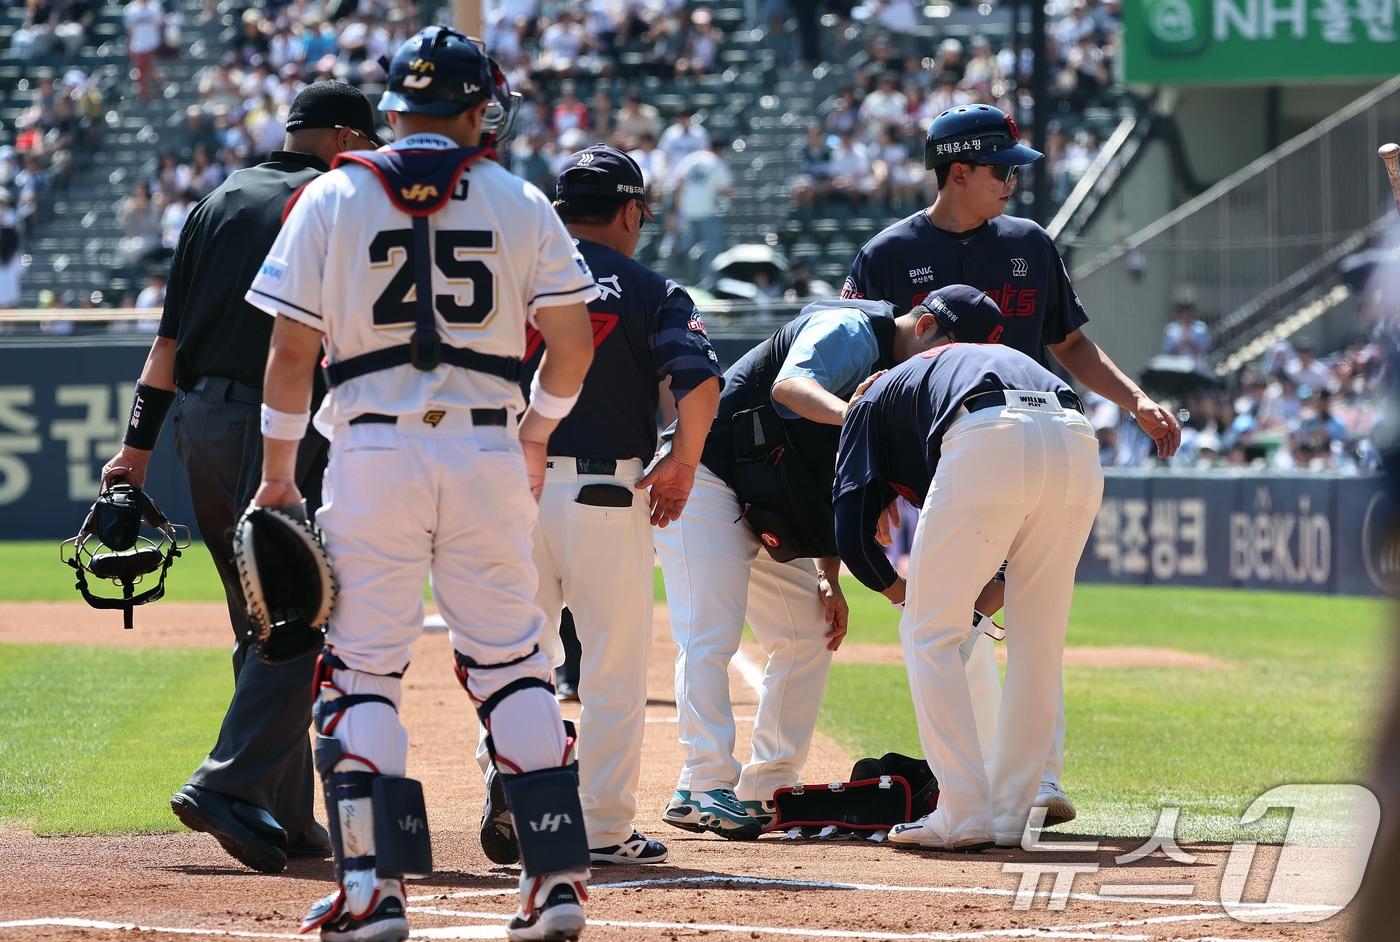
(1021,484)
(411,501)
(717,572)
(598,562)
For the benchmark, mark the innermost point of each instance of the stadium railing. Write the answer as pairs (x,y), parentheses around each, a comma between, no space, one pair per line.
(1253,247)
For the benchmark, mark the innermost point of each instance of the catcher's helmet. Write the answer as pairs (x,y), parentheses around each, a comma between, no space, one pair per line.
(442,73)
(976,134)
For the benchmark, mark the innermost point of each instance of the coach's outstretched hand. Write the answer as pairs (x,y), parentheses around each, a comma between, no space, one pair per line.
(1160,424)
(670,481)
(836,612)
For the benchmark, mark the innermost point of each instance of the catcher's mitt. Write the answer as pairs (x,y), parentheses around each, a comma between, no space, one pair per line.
(287,582)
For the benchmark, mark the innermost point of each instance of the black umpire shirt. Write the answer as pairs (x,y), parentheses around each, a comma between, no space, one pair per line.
(225,240)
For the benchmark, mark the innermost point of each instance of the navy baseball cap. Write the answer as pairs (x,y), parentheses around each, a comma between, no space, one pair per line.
(604,172)
(333,105)
(965,313)
(978,134)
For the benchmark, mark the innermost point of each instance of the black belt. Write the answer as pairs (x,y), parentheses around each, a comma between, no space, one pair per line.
(479,417)
(222,389)
(997,397)
(591,465)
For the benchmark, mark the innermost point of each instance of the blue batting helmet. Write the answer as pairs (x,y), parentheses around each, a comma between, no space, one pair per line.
(975,134)
(443,73)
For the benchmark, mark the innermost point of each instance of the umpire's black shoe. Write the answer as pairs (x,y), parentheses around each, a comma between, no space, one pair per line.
(497,828)
(249,833)
(315,841)
(566,684)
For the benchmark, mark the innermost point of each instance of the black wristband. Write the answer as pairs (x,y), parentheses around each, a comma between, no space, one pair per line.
(148,409)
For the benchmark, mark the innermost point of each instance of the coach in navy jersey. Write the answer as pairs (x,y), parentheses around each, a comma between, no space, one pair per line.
(963,238)
(996,450)
(593,546)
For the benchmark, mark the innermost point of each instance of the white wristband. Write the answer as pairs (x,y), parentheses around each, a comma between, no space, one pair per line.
(288,426)
(549,405)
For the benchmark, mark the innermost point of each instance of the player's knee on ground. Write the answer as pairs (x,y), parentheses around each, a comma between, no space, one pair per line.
(378,825)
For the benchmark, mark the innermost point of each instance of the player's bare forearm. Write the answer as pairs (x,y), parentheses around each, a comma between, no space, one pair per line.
(808,399)
(568,348)
(291,364)
(695,413)
(1086,362)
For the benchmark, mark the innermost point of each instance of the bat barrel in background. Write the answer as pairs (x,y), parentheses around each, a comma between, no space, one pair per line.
(1390,154)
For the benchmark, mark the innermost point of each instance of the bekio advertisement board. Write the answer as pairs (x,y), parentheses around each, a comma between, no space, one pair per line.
(1208,42)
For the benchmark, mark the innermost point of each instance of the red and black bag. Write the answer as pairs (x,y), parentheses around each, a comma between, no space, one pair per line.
(881,793)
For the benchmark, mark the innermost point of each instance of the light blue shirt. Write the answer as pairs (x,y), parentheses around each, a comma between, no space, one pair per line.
(836,348)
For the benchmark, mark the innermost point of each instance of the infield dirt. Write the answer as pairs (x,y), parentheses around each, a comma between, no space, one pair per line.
(182,885)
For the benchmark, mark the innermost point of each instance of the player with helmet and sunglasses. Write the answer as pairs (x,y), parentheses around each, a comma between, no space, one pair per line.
(419,267)
(964,238)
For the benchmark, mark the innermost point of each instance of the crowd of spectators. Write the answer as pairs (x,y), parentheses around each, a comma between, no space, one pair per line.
(1292,410)
(866,145)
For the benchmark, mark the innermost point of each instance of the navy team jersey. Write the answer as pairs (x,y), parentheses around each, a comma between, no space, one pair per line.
(645,328)
(1011,259)
(892,438)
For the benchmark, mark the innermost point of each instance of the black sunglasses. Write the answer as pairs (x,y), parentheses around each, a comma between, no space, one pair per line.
(1003,172)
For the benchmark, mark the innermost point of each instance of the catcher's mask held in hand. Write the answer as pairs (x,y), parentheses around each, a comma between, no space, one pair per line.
(287,581)
(111,545)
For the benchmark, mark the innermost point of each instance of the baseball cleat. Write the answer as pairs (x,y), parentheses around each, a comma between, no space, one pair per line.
(1058,808)
(762,811)
(314,842)
(249,833)
(718,811)
(385,923)
(637,849)
(497,829)
(921,833)
(559,919)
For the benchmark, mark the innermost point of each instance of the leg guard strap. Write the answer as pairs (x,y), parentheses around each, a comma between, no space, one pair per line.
(326,710)
(485,708)
(465,663)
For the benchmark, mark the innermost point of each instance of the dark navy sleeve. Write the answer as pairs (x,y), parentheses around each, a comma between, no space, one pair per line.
(680,348)
(1064,312)
(857,516)
(860,495)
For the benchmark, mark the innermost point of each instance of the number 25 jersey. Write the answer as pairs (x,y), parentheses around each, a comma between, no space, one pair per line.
(343,265)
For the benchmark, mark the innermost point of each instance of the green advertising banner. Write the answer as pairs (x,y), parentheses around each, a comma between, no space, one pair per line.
(1206,42)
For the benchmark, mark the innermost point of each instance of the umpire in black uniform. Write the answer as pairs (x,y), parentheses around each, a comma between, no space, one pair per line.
(254,791)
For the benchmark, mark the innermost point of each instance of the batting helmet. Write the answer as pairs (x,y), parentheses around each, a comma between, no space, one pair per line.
(976,134)
(443,73)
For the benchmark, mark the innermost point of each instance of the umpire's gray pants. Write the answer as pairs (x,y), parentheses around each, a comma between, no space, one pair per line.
(263,753)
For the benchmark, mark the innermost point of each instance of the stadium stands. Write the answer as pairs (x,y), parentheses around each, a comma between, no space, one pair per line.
(825,121)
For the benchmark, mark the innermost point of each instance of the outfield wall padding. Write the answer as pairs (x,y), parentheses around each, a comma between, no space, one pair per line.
(1233,529)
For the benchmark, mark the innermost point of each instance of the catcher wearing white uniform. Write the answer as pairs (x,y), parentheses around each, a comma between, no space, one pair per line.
(418,267)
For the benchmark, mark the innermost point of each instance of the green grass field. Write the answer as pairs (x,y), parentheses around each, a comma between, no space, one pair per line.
(1293,704)
(81,725)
